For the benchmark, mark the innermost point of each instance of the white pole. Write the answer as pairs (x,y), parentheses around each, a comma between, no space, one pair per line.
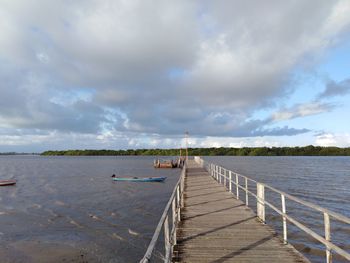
(327,233)
(230,181)
(260,201)
(237,188)
(166,239)
(174,219)
(285,238)
(225,178)
(246,192)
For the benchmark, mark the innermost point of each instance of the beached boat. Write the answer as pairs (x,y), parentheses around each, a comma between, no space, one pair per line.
(7,182)
(140,179)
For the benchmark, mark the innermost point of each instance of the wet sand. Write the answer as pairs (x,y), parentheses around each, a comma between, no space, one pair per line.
(39,252)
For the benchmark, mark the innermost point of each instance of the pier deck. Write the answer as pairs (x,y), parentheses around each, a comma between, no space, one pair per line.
(215,227)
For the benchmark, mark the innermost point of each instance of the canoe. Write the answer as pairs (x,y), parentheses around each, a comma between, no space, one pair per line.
(140,179)
(7,182)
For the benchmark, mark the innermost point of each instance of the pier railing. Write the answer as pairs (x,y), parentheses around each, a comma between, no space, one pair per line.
(171,215)
(235,182)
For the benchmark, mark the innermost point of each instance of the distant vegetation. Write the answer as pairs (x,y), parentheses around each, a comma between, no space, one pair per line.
(223,151)
(16,153)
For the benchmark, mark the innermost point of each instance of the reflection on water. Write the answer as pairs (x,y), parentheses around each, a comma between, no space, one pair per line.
(320,180)
(67,209)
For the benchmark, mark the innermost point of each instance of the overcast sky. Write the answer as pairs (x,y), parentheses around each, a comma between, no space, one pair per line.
(138,74)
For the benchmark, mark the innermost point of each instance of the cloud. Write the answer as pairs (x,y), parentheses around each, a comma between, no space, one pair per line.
(26,102)
(95,67)
(279,132)
(334,89)
(302,110)
(333,139)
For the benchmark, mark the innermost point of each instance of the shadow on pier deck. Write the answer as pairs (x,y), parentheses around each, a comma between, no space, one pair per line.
(215,227)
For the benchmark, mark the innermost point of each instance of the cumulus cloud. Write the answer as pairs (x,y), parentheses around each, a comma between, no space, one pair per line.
(333,139)
(159,67)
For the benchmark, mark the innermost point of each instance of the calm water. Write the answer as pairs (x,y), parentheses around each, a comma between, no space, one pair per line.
(321,180)
(67,209)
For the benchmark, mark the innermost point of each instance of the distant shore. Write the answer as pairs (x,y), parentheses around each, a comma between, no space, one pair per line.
(15,153)
(223,151)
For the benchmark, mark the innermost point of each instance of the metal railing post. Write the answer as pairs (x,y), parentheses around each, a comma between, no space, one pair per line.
(327,235)
(166,240)
(237,188)
(225,179)
(173,206)
(230,181)
(178,204)
(285,238)
(182,184)
(222,175)
(246,192)
(260,206)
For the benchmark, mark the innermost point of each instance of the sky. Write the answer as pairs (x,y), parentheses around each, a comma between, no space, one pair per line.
(121,74)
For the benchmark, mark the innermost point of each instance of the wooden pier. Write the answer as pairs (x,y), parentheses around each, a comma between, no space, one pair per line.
(207,220)
(215,227)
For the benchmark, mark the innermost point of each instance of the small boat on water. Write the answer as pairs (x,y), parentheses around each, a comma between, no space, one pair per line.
(7,182)
(158,163)
(139,179)
(164,164)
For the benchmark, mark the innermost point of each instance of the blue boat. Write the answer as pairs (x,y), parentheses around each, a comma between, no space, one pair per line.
(139,179)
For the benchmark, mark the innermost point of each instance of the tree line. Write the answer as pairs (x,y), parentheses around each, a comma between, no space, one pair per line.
(222,151)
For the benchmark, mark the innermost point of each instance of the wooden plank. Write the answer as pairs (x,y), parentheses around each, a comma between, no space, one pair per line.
(215,227)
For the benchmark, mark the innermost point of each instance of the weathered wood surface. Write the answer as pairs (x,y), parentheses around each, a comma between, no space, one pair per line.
(216,227)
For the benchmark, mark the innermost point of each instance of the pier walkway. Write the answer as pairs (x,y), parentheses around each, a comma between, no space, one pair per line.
(208,219)
(215,227)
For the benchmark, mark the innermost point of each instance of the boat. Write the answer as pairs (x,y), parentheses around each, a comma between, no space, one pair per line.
(164,163)
(178,163)
(7,182)
(139,179)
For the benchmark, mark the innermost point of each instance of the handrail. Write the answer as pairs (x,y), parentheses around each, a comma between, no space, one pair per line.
(175,201)
(220,174)
(338,216)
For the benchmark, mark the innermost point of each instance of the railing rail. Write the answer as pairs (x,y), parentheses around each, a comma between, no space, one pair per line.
(174,205)
(224,176)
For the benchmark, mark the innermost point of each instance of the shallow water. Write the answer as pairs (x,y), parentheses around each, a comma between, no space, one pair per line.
(67,209)
(320,180)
